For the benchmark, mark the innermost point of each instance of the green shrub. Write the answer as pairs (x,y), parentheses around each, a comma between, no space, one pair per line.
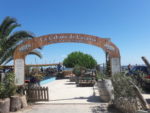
(123,86)
(8,87)
(78,70)
(60,75)
(38,76)
(138,79)
(101,76)
(108,68)
(79,58)
(2,90)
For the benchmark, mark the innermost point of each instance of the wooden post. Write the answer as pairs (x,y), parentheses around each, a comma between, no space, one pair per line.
(47,93)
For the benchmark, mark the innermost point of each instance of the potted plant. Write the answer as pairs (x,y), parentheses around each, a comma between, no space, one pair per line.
(7,89)
(78,71)
(4,100)
(36,77)
(105,87)
(9,99)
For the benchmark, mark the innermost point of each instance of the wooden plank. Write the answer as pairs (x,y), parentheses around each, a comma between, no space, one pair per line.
(47,94)
(42,90)
(36,93)
(38,89)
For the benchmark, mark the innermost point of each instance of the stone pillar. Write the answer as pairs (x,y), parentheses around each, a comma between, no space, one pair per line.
(115,65)
(19,71)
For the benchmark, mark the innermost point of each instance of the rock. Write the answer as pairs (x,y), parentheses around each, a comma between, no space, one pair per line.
(23,101)
(4,105)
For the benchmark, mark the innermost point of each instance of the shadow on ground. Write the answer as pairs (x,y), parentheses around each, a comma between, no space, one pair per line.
(92,99)
(103,109)
(148,101)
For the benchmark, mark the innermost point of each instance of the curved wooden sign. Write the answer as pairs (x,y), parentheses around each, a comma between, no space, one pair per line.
(34,43)
(23,49)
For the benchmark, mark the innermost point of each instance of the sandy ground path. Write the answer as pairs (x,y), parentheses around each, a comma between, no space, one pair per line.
(64,91)
(65,97)
(69,108)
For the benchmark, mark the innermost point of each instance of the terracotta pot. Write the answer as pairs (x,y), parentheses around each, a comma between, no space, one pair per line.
(105,90)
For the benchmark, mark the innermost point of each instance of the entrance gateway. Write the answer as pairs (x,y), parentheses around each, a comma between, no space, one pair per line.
(23,49)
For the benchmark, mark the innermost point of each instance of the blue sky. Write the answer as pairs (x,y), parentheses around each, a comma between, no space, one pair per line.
(126,22)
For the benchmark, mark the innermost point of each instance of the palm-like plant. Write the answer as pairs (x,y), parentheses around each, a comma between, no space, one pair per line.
(9,40)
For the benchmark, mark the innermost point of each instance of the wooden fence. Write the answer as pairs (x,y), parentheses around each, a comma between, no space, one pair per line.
(36,93)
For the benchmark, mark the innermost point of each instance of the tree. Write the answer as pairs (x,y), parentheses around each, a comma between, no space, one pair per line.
(108,65)
(81,59)
(9,40)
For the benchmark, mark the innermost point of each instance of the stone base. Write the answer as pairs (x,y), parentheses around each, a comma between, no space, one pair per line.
(4,105)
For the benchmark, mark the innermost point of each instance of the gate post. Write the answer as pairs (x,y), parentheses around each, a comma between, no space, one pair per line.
(115,65)
(19,66)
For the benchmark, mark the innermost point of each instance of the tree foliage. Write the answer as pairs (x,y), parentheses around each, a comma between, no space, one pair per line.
(9,39)
(81,59)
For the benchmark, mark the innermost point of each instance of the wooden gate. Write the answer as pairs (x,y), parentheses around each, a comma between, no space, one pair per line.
(36,93)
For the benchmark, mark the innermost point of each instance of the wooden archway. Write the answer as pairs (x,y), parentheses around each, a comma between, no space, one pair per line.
(23,49)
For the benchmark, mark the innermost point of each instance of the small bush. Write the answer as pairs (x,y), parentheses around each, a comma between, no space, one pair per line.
(60,75)
(128,98)
(78,70)
(122,86)
(8,87)
(101,76)
(39,76)
(138,79)
(2,90)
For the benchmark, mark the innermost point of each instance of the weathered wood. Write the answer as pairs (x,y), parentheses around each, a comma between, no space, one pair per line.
(34,43)
(15,103)
(38,97)
(37,93)
(4,105)
(142,100)
(146,61)
(44,95)
(40,93)
(47,93)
